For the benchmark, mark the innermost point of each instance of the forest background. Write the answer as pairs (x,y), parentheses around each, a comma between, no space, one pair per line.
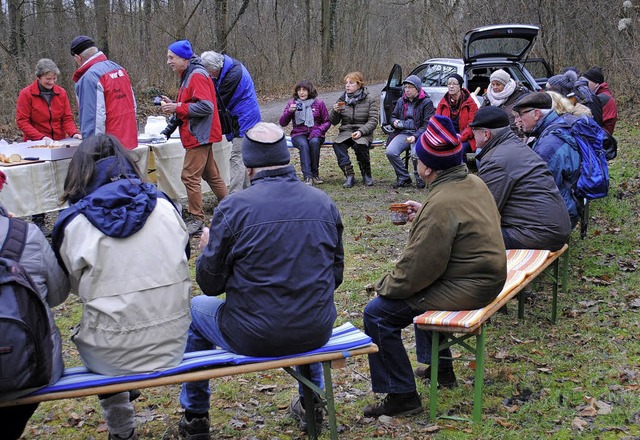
(282,42)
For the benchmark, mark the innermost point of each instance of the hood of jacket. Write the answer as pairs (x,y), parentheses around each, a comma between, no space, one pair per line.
(116,204)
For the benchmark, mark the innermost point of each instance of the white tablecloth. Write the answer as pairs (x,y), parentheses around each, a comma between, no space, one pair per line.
(169,158)
(36,188)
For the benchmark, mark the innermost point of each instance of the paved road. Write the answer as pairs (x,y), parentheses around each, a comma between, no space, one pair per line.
(271,111)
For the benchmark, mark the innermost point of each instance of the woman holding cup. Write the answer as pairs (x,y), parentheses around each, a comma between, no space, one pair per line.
(310,124)
(357,113)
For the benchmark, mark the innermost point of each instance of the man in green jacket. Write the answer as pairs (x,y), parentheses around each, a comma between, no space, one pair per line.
(455,260)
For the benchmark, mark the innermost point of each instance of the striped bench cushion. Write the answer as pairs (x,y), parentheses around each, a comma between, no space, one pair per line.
(345,337)
(520,264)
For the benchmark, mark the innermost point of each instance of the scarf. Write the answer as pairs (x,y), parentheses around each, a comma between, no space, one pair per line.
(304,116)
(353,98)
(497,99)
(455,105)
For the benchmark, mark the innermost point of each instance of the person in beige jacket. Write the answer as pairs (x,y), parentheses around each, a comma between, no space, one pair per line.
(357,113)
(125,249)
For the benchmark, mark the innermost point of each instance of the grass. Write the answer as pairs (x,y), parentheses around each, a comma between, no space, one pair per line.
(577,379)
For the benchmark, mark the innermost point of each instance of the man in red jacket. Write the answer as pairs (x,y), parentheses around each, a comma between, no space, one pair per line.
(609,108)
(106,103)
(196,114)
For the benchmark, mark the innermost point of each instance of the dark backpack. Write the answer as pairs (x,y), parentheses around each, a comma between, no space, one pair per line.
(26,348)
(587,137)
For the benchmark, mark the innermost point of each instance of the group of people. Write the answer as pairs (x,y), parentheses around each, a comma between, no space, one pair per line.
(123,247)
(107,105)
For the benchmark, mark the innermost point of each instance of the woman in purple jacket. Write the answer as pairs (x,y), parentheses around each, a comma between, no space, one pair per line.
(310,124)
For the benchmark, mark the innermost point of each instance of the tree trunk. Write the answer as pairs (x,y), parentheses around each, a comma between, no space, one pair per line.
(103,15)
(16,21)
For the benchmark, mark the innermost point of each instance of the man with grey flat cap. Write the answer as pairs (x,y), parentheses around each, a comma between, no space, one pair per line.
(538,119)
(532,212)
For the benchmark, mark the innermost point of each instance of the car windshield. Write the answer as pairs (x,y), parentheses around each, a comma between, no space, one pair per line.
(434,75)
(496,46)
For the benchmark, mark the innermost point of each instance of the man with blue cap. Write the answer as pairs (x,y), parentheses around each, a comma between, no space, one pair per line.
(195,112)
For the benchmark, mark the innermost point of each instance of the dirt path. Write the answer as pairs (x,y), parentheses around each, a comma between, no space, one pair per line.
(271,111)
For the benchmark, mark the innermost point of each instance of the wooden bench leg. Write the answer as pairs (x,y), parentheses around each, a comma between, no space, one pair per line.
(309,388)
(478,353)
(331,406)
(433,388)
(478,383)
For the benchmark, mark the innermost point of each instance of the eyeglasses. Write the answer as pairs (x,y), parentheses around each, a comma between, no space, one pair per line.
(524,112)
(453,84)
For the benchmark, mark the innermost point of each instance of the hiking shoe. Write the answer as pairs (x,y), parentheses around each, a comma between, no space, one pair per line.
(367,179)
(401,183)
(298,413)
(446,376)
(194,225)
(420,183)
(196,429)
(400,404)
(308,181)
(132,436)
(317,180)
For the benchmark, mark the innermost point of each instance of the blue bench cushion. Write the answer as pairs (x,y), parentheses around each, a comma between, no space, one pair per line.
(345,337)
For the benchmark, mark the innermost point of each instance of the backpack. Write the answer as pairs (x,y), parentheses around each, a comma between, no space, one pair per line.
(587,137)
(26,348)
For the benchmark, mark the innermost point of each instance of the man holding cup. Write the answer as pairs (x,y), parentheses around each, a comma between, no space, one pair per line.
(455,259)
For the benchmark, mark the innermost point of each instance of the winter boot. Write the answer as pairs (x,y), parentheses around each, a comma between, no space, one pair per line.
(395,404)
(446,375)
(365,170)
(350,175)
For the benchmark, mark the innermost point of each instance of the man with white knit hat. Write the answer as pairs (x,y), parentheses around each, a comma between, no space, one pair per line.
(455,260)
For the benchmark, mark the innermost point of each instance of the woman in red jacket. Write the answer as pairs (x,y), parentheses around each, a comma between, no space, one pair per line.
(43,111)
(459,106)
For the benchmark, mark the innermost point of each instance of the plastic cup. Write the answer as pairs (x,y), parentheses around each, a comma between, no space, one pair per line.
(399,213)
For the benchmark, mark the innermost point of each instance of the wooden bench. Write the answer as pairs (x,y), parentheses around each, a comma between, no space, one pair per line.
(375,143)
(347,341)
(523,267)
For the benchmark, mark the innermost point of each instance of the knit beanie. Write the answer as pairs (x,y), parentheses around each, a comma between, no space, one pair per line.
(265,145)
(439,147)
(594,74)
(561,84)
(458,78)
(80,44)
(501,76)
(182,48)
(414,81)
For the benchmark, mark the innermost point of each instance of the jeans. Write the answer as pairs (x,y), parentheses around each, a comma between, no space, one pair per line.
(423,348)
(390,367)
(391,370)
(342,153)
(395,148)
(309,154)
(205,334)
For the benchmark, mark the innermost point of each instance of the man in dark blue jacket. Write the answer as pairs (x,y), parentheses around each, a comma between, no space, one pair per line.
(276,250)
(235,89)
(532,212)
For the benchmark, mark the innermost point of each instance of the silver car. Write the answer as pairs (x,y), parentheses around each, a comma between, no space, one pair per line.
(485,50)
